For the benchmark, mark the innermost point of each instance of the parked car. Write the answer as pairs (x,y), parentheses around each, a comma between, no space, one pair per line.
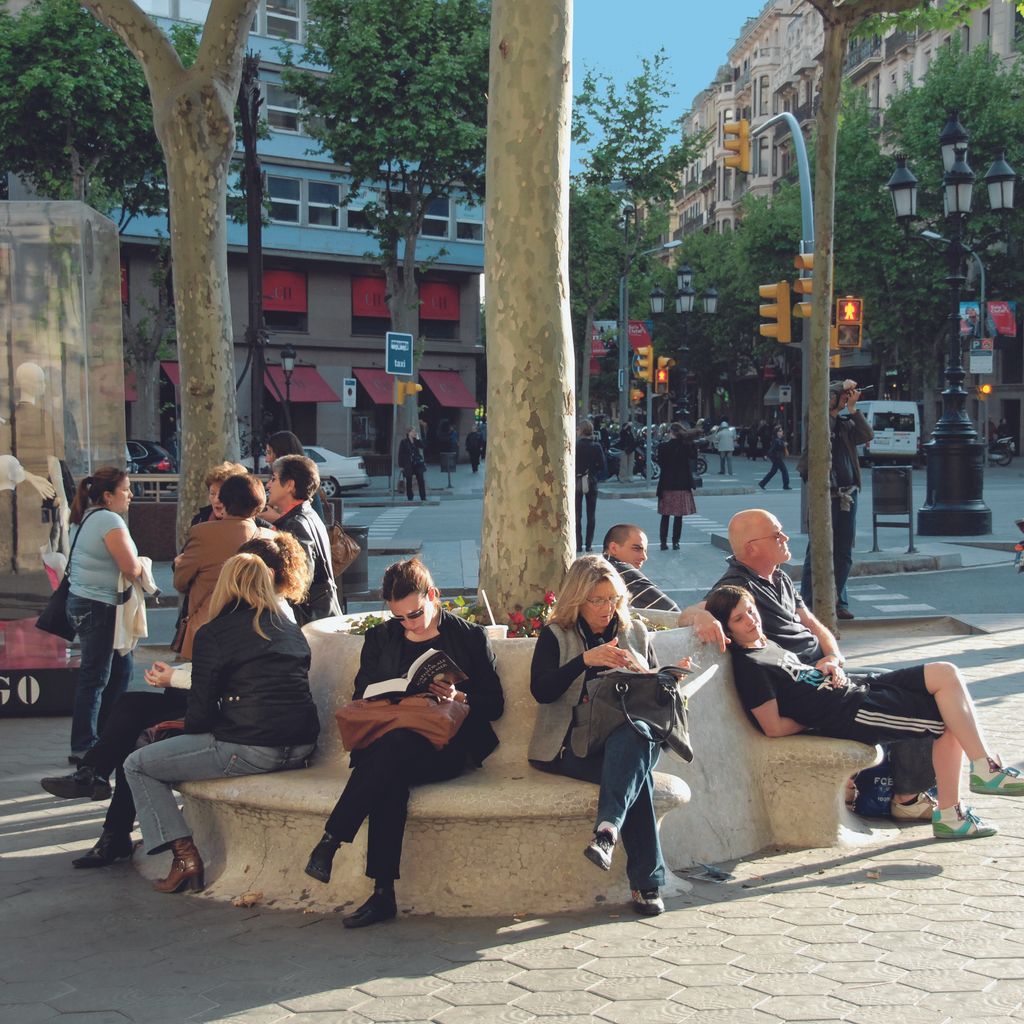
(150,457)
(337,472)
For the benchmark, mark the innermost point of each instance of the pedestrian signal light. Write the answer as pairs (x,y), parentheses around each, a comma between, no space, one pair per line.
(645,362)
(777,310)
(661,374)
(406,389)
(737,142)
(804,284)
(984,391)
(849,322)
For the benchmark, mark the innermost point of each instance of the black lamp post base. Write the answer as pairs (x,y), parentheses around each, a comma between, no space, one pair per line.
(954,505)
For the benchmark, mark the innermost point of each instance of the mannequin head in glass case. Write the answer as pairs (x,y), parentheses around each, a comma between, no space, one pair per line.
(31,382)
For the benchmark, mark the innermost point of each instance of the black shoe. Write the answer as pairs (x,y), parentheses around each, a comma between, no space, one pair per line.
(600,850)
(380,906)
(83,783)
(787,488)
(762,486)
(648,902)
(675,545)
(109,847)
(321,859)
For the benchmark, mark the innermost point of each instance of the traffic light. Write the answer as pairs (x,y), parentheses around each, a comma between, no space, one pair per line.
(778,310)
(984,392)
(661,375)
(645,362)
(406,389)
(804,284)
(849,321)
(636,396)
(739,147)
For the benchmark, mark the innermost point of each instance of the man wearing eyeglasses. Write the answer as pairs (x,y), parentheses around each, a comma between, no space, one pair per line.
(759,548)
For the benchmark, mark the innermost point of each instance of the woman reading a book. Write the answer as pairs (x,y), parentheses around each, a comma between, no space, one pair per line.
(384,771)
(590,632)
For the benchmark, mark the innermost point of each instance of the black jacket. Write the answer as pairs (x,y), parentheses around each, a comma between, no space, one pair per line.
(410,455)
(246,689)
(590,460)
(675,458)
(468,646)
(309,530)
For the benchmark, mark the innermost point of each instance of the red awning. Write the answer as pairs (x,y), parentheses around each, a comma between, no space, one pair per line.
(173,373)
(380,386)
(306,385)
(130,394)
(448,389)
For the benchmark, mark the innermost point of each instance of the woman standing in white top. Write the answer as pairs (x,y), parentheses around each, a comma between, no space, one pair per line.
(103,549)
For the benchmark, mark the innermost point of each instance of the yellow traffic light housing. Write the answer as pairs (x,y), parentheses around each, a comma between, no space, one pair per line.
(804,284)
(661,374)
(849,322)
(777,310)
(406,389)
(636,396)
(737,142)
(645,362)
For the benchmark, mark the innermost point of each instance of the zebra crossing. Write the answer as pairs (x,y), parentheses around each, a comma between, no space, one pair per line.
(880,599)
(702,524)
(388,523)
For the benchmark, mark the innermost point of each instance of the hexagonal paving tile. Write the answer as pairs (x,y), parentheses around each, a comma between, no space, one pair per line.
(904,940)
(781,963)
(793,985)
(401,1008)
(635,989)
(925,960)
(998,968)
(401,986)
(480,1015)
(482,970)
(907,1015)
(566,959)
(555,980)
(644,1011)
(718,975)
(947,981)
(479,993)
(718,997)
(862,972)
(841,952)
(696,955)
(793,1008)
(763,944)
(554,1004)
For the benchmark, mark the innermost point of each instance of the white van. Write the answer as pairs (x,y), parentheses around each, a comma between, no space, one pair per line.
(897,427)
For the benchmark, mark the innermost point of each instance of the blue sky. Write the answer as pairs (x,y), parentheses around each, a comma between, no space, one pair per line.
(696,35)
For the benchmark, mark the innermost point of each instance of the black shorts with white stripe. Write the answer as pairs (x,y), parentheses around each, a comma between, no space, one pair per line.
(897,706)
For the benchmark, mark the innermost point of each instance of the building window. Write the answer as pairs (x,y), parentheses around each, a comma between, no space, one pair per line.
(469,222)
(284,300)
(282,108)
(763,165)
(285,199)
(355,212)
(966,38)
(765,92)
(436,220)
(324,204)
(282,18)
(986,24)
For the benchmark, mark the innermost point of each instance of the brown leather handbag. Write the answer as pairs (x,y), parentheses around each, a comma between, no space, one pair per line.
(363,721)
(344,550)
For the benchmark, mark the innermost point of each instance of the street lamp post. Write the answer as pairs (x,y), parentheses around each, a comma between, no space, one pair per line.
(288,357)
(955,457)
(685,298)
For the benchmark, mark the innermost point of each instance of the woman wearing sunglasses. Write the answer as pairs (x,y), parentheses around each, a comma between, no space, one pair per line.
(590,632)
(384,771)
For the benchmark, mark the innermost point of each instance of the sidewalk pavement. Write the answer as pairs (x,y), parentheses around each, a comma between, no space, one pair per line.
(905,930)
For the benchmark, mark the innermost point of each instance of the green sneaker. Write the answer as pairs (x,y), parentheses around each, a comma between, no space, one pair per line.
(966,825)
(1005,781)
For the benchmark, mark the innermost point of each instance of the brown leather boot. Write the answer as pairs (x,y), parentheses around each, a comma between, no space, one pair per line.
(186,868)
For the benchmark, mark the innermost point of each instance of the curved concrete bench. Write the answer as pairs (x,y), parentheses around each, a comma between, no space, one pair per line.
(502,839)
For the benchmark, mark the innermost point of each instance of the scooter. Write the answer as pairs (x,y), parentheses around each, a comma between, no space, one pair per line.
(1001,451)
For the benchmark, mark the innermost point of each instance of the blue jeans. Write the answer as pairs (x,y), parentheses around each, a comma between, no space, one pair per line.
(152,771)
(844,533)
(778,466)
(725,463)
(624,771)
(103,675)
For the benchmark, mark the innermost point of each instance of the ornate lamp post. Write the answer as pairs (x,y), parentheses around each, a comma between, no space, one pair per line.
(288,357)
(955,456)
(686,297)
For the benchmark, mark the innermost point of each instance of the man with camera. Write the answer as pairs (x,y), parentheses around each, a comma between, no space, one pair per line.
(849,428)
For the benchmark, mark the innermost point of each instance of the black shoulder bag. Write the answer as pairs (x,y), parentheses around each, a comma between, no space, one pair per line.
(54,616)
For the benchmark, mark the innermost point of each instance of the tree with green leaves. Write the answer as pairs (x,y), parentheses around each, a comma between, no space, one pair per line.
(403,108)
(75,117)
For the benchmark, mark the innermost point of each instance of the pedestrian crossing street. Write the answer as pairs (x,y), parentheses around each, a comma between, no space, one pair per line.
(388,523)
(700,524)
(875,598)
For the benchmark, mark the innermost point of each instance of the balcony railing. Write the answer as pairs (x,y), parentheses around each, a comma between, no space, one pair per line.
(708,174)
(897,41)
(861,53)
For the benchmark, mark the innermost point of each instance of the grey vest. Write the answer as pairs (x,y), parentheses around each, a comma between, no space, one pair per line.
(553,720)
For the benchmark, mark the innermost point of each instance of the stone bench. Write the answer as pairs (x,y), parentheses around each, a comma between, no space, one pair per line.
(507,838)
(501,839)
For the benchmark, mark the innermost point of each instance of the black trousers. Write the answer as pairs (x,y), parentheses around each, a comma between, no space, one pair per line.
(378,789)
(591,504)
(133,712)
(677,529)
(418,474)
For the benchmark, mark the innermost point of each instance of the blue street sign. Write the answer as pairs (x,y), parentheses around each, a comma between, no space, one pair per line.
(399,354)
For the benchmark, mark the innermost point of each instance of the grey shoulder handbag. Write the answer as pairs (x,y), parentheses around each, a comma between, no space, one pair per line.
(615,698)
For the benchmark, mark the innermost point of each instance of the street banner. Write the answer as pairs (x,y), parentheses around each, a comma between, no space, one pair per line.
(1000,319)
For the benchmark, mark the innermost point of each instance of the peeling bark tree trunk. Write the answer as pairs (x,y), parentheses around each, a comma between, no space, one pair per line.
(528,534)
(193,116)
(403,305)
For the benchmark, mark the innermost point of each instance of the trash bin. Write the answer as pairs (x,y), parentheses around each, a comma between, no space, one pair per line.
(448,460)
(892,490)
(355,580)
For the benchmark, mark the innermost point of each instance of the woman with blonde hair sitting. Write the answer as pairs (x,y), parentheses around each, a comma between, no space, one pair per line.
(249,711)
(590,632)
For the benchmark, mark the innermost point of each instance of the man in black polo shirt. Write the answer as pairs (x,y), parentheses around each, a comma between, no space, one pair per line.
(760,547)
(625,546)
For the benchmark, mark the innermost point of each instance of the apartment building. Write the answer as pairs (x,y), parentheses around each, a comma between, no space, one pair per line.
(323,292)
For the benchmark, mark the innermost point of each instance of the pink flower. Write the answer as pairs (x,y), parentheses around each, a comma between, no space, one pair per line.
(549,597)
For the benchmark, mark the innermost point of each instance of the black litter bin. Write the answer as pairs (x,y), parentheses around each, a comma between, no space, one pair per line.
(355,580)
(892,494)
(447,463)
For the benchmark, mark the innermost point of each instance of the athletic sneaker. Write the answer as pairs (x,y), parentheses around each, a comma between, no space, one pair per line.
(648,902)
(600,850)
(920,808)
(960,822)
(989,777)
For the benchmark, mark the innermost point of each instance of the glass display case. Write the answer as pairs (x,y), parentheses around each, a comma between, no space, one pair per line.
(61,417)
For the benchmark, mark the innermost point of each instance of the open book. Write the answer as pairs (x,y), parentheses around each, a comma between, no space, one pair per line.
(431,665)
